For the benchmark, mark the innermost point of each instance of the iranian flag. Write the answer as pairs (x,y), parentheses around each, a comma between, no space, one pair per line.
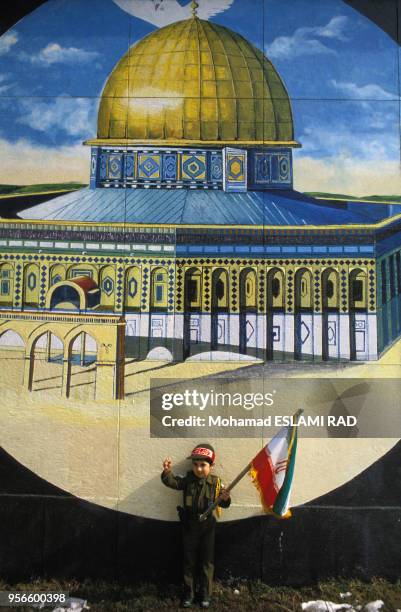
(272,470)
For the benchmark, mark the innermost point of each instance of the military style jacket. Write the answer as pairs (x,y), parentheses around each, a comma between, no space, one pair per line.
(198,493)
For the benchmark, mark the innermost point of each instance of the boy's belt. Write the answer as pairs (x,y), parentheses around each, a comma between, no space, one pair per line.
(185,515)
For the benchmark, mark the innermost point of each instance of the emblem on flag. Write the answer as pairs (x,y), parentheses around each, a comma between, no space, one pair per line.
(272,471)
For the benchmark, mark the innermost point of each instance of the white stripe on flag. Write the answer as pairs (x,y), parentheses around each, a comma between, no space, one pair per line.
(277,448)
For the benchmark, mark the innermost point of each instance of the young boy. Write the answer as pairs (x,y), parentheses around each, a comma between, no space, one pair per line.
(200,489)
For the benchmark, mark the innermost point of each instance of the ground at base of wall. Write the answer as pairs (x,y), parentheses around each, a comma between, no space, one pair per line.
(232,595)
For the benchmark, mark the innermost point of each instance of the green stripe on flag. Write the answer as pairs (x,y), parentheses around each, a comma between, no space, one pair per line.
(284,493)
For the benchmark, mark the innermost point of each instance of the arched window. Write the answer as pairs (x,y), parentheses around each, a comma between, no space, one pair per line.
(193,293)
(31,286)
(303,289)
(107,283)
(11,340)
(132,294)
(57,274)
(6,284)
(330,289)
(83,350)
(220,297)
(357,289)
(159,288)
(46,362)
(248,289)
(275,289)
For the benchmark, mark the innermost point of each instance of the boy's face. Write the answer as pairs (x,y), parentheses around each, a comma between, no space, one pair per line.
(201,468)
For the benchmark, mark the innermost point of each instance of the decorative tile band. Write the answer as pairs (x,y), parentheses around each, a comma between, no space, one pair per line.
(229,169)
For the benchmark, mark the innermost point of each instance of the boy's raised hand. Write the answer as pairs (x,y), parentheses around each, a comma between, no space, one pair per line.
(167,464)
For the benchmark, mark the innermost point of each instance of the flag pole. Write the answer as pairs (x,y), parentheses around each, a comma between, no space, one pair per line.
(236,480)
(230,486)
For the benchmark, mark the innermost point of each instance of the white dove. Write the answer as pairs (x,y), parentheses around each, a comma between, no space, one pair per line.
(163,12)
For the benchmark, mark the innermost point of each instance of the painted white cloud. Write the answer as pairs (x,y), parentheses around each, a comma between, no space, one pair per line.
(334,29)
(308,40)
(364,92)
(341,174)
(7,41)
(4,86)
(355,158)
(74,116)
(54,53)
(377,141)
(24,163)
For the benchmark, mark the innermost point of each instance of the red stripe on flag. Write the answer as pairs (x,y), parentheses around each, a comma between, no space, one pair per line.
(263,466)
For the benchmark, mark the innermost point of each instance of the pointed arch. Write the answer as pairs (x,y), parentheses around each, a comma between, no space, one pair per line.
(159,289)
(57,274)
(6,284)
(275,305)
(192,308)
(275,295)
(220,305)
(248,289)
(358,303)
(330,289)
(83,348)
(247,307)
(193,289)
(303,287)
(358,289)
(31,283)
(107,286)
(303,314)
(220,290)
(132,289)
(11,339)
(44,346)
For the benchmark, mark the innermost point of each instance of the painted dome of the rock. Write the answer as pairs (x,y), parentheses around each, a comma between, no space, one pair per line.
(194,81)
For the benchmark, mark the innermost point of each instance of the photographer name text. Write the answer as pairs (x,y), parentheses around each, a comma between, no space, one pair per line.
(268,421)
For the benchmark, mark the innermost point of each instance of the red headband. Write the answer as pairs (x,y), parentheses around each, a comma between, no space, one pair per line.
(203,452)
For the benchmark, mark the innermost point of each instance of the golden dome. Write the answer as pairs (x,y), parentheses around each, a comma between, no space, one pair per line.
(194,82)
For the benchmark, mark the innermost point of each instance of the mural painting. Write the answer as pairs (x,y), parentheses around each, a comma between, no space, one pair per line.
(193,190)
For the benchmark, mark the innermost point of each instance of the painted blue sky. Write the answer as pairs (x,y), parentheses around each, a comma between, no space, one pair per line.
(340,70)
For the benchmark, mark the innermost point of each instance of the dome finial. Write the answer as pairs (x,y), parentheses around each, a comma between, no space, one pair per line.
(194,7)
